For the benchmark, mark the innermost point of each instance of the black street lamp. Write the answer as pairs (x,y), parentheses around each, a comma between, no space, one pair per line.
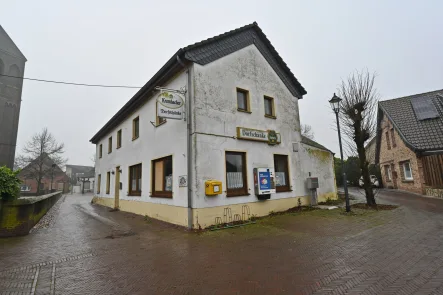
(335,104)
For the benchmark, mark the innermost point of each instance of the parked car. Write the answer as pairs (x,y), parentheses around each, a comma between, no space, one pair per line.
(374,181)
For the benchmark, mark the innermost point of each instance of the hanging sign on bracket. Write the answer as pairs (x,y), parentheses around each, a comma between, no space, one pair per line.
(170,105)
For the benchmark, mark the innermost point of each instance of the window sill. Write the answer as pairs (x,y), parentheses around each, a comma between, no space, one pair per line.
(135,194)
(270,117)
(161,196)
(134,138)
(408,181)
(244,111)
(237,195)
(283,191)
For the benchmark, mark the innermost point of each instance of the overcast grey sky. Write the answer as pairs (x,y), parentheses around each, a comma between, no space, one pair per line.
(126,42)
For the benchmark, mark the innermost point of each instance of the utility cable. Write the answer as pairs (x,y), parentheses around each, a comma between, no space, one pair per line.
(72,83)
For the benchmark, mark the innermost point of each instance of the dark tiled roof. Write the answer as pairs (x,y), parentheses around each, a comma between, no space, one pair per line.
(203,53)
(216,47)
(312,143)
(31,168)
(79,168)
(89,174)
(419,135)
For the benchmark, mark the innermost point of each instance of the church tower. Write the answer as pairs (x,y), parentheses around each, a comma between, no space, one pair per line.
(12,64)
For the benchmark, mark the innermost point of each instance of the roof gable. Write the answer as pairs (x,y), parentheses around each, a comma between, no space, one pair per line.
(79,168)
(217,47)
(312,143)
(47,163)
(203,53)
(418,135)
(8,45)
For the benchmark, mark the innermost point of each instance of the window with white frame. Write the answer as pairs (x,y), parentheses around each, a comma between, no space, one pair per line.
(162,177)
(236,179)
(281,173)
(407,171)
(388,172)
(25,188)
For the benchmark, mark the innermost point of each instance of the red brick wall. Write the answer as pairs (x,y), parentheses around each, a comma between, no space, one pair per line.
(394,157)
(47,183)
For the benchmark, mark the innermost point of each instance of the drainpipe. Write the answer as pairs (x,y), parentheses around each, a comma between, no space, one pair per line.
(188,140)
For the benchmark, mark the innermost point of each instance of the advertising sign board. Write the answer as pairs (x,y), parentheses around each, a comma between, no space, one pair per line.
(170,105)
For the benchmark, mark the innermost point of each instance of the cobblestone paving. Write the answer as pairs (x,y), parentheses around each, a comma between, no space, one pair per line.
(49,219)
(317,252)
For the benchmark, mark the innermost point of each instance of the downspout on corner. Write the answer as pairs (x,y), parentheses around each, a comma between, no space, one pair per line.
(188,140)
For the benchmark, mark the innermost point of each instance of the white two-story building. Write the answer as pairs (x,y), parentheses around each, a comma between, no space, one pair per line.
(235,104)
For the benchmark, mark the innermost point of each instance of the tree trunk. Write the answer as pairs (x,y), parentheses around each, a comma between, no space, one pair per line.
(367,184)
(364,165)
(39,180)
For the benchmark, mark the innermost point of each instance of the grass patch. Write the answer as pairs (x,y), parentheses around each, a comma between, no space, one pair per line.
(334,202)
(381,207)
(298,209)
(263,226)
(282,224)
(307,220)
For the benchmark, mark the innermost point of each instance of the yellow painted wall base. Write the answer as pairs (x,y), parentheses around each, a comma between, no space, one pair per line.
(205,217)
(168,213)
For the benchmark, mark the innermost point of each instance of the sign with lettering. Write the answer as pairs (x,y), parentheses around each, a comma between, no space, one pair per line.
(269,136)
(264,180)
(170,105)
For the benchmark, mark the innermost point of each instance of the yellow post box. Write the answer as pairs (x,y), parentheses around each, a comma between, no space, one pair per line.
(213,187)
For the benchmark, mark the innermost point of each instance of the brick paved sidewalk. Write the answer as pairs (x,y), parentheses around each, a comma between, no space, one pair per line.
(89,250)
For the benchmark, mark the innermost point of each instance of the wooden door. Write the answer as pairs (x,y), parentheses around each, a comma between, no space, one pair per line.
(117,188)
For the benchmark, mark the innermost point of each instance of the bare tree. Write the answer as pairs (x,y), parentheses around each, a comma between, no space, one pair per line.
(17,164)
(358,118)
(93,158)
(42,157)
(306,130)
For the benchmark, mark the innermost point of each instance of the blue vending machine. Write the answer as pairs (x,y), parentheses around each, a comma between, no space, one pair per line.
(264,184)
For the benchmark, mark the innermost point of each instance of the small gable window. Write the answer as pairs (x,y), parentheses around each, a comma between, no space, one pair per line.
(269,107)
(243,100)
(388,141)
(394,144)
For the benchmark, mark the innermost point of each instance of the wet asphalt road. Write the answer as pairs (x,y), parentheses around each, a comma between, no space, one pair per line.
(85,249)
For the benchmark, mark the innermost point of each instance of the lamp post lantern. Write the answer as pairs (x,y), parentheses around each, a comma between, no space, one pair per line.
(335,104)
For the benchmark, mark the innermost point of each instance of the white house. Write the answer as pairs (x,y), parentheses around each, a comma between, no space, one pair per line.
(240,112)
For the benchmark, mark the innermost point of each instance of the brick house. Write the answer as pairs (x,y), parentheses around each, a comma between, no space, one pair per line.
(409,145)
(54,177)
(370,149)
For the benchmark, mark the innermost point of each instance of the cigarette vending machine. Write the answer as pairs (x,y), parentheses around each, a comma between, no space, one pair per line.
(264,183)
(312,184)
